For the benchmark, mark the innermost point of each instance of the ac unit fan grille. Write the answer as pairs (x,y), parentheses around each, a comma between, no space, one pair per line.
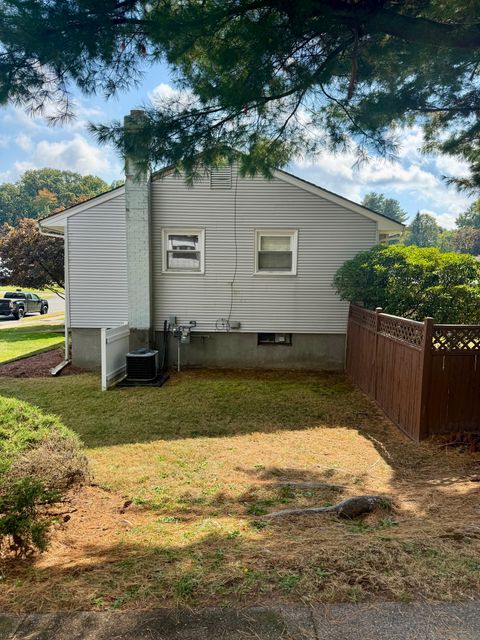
(142,367)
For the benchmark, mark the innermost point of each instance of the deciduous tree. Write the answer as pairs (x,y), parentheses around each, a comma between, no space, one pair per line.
(467,240)
(471,217)
(30,259)
(40,191)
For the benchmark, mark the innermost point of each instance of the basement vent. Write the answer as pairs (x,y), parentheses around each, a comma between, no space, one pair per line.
(275,338)
(221,178)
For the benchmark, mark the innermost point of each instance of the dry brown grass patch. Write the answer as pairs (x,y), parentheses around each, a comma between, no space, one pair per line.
(200,486)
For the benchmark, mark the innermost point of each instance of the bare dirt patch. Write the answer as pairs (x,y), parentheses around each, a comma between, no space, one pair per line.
(37,366)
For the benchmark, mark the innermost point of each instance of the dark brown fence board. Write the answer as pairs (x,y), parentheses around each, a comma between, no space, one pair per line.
(425,377)
(398,384)
(454,393)
(361,355)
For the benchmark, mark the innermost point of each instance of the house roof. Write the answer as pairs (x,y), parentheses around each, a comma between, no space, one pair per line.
(55,222)
(386,223)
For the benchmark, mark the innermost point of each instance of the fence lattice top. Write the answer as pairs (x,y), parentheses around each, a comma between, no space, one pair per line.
(456,338)
(363,317)
(402,329)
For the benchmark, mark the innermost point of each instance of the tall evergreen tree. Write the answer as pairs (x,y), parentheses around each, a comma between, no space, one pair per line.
(423,231)
(270,78)
(386,206)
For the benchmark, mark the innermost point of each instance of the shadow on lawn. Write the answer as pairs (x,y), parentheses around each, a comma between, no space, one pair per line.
(196,404)
(291,560)
(216,404)
(193,548)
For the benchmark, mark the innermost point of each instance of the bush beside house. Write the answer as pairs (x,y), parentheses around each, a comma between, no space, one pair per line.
(413,282)
(39,460)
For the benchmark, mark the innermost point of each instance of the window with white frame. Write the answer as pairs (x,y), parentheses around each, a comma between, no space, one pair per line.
(276,251)
(183,250)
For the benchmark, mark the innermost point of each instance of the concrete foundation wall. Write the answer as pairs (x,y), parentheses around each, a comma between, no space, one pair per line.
(86,348)
(241,350)
(229,350)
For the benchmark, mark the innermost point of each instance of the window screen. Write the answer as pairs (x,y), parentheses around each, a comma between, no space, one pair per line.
(183,251)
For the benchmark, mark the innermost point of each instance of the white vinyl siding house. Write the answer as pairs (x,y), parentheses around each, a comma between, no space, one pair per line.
(97,266)
(249,261)
(300,300)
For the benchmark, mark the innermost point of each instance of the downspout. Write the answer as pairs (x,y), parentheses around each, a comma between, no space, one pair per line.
(67,295)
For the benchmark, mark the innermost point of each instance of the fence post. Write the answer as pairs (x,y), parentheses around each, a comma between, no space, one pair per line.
(378,311)
(425,369)
(347,338)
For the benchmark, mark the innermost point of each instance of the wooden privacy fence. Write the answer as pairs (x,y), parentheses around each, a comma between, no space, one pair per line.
(425,376)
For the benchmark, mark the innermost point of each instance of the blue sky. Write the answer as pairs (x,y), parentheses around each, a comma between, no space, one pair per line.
(412,178)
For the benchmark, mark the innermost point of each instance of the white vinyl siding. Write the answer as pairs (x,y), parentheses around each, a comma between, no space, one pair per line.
(328,234)
(97,271)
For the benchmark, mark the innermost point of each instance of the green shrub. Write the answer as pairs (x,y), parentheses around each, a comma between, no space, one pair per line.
(39,460)
(413,282)
(23,425)
(23,526)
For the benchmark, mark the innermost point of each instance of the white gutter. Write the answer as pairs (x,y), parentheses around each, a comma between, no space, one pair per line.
(50,234)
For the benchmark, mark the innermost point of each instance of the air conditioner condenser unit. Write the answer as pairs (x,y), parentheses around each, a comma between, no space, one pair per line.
(142,365)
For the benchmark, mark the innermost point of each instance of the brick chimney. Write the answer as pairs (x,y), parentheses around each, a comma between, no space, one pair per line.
(137,203)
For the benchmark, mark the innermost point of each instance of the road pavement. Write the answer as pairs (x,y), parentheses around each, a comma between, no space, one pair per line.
(381,621)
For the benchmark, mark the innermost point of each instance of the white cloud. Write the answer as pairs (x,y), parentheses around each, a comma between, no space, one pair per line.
(76,154)
(21,167)
(24,141)
(16,118)
(35,144)
(446,220)
(164,93)
(451,166)
(6,176)
(73,154)
(413,178)
(410,141)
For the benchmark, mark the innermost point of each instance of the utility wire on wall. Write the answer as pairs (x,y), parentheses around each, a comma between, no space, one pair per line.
(232,283)
(223,324)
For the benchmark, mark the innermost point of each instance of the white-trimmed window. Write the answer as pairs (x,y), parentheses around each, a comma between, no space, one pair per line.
(184,250)
(276,251)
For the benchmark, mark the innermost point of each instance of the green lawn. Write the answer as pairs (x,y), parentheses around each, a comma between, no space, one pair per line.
(202,459)
(23,341)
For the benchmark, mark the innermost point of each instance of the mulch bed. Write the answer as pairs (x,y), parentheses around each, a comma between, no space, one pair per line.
(38,366)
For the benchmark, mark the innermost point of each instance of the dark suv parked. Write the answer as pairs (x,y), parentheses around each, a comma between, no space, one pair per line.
(18,303)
